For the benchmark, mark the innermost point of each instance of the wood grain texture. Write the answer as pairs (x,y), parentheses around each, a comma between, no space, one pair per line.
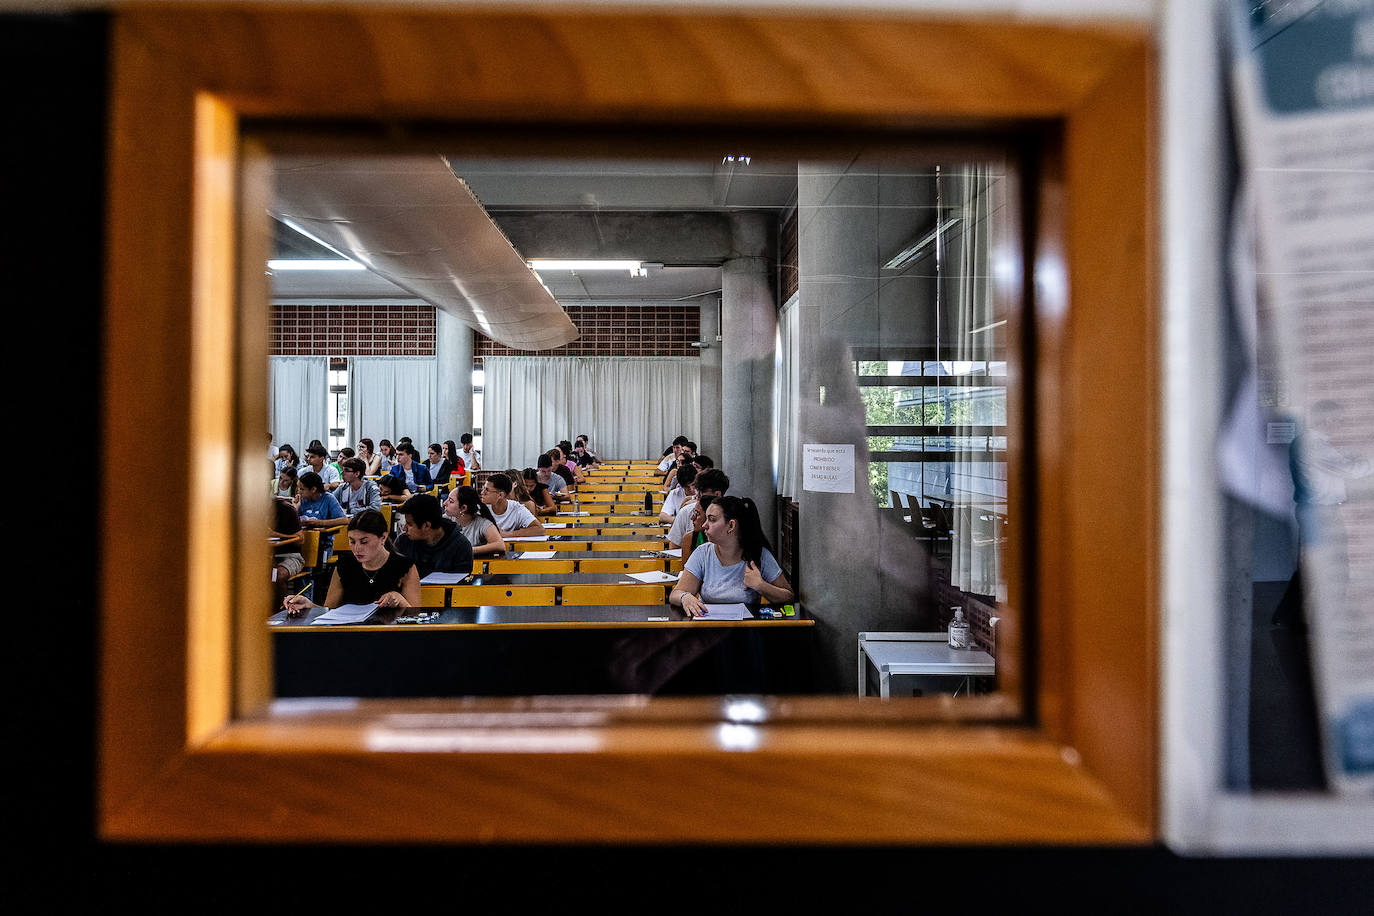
(174,766)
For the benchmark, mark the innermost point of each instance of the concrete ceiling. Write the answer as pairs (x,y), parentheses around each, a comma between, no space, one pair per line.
(672,213)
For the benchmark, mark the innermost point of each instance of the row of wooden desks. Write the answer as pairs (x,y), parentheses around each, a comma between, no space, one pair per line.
(493,650)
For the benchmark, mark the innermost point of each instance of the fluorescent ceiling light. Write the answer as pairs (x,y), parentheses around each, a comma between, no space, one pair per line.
(635,268)
(313,264)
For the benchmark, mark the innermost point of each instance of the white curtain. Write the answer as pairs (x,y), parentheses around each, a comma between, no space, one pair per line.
(977,554)
(787,400)
(390,397)
(630,407)
(298,400)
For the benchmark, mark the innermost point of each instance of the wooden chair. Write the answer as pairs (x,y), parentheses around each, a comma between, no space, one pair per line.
(608,565)
(529,566)
(434,595)
(615,594)
(478,595)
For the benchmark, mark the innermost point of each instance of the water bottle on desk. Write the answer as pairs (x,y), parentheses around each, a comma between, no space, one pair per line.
(958,630)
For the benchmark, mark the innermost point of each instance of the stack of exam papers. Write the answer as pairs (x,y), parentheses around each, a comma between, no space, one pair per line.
(346,613)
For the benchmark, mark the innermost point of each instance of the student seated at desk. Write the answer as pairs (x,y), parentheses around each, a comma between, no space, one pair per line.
(540,497)
(392,490)
(465,507)
(286,558)
(357,493)
(435,543)
(409,470)
(285,485)
(319,509)
(670,456)
(369,573)
(558,487)
(583,454)
(672,503)
(317,460)
(372,462)
(735,566)
(472,458)
(513,519)
(518,491)
(688,531)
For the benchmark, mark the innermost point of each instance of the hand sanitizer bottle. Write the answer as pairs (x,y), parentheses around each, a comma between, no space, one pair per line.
(958,630)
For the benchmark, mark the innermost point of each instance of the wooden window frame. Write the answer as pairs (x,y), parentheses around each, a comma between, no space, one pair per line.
(192,746)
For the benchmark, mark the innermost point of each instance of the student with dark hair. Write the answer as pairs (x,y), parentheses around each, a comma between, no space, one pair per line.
(435,543)
(410,470)
(543,472)
(317,460)
(702,463)
(688,531)
(583,455)
(540,497)
(511,518)
(357,493)
(472,458)
(286,559)
(457,467)
(286,455)
(735,566)
(560,467)
(388,453)
(369,572)
(686,475)
(439,467)
(392,490)
(474,519)
(286,485)
(318,509)
(670,456)
(372,462)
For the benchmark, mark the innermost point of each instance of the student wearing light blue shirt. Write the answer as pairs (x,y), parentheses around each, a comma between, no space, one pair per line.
(735,566)
(318,508)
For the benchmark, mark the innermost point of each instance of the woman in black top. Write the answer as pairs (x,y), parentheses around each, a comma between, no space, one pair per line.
(539,493)
(370,573)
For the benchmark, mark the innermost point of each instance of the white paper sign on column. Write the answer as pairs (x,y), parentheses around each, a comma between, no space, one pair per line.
(828,468)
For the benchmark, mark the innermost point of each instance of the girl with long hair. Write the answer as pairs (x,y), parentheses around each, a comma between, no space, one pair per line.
(371,572)
(464,505)
(734,566)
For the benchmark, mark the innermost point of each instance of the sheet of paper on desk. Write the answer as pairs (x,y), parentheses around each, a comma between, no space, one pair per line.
(346,613)
(574,513)
(530,537)
(672,552)
(535,554)
(444,578)
(727,612)
(657,575)
(554,525)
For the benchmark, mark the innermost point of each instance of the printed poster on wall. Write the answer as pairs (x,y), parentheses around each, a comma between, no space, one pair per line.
(828,468)
(1304,85)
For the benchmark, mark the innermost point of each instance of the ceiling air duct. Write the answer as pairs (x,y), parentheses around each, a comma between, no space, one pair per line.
(413,222)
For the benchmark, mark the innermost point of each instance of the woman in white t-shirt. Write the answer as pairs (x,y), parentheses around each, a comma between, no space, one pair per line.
(465,507)
(735,566)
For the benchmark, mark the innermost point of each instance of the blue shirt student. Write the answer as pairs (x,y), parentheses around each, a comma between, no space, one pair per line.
(323,508)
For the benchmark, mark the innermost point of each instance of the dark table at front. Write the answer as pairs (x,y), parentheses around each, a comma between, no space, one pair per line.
(550,649)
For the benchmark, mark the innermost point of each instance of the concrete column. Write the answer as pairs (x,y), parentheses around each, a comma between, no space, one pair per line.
(857,570)
(453,350)
(709,437)
(749,320)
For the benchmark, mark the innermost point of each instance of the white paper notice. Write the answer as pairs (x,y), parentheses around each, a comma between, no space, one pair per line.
(828,468)
(443,578)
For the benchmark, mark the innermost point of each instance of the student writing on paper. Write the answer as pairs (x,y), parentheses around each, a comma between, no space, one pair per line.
(735,566)
(540,496)
(434,543)
(465,507)
(370,573)
(318,509)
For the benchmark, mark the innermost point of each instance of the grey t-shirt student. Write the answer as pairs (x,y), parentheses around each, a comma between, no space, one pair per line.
(725,584)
